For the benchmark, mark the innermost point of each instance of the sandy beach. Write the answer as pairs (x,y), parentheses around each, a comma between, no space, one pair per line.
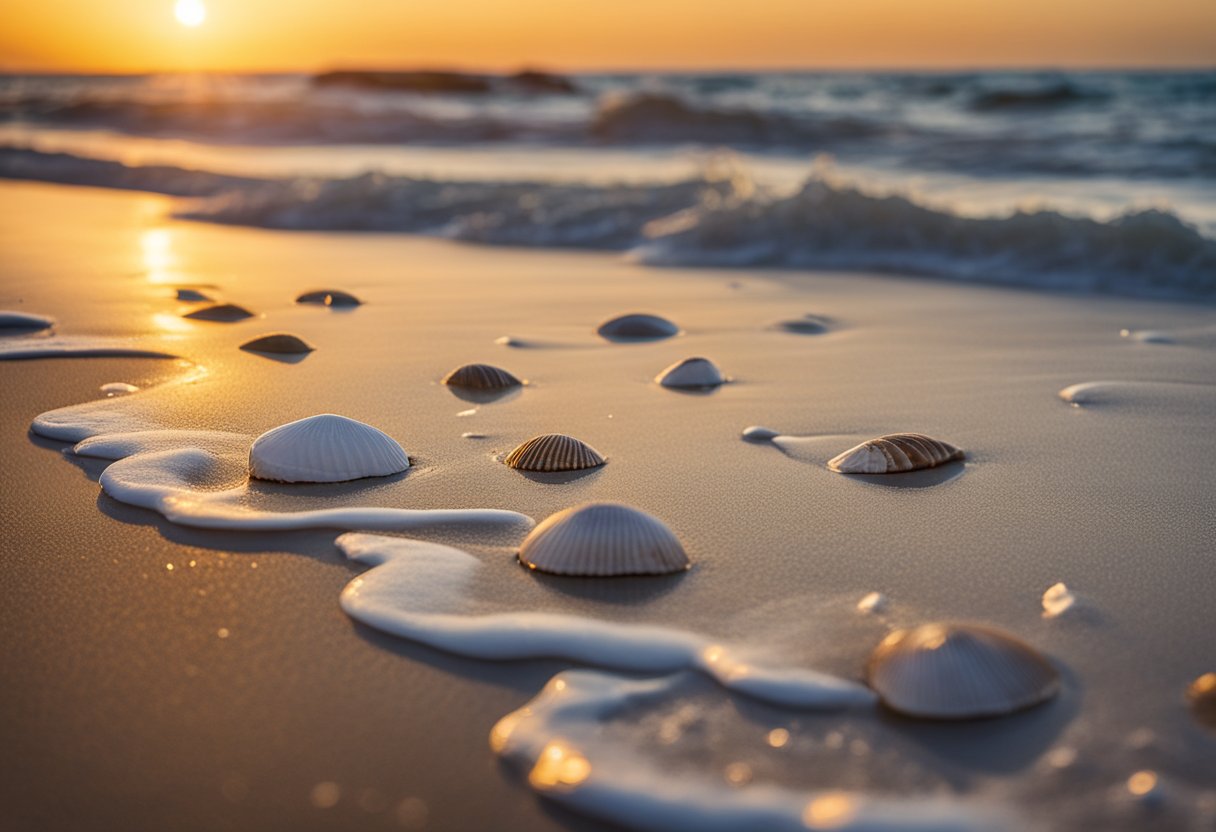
(161,675)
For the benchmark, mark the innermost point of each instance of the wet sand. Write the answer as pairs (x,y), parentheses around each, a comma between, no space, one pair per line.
(124,705)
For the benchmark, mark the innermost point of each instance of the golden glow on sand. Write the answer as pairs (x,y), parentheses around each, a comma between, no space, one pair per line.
(138,35)
(190,12)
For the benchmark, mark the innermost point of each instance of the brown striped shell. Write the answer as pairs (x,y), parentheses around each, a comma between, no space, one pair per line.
(554,452)
(895,453)
(481,377)
(279,343)
(329,297)
(221,312)
(603,539)
(959,671)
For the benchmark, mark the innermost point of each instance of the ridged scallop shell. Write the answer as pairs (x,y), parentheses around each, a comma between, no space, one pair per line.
(329,297)
(554,452)
(638,326)
(895,453)
(691,374)
(959,671)
(223,312)
(325,448)
(279,343)
(1202,696)
(603,539)
(481,377)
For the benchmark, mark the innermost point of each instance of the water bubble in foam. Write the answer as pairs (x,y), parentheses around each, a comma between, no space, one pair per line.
(1057,600)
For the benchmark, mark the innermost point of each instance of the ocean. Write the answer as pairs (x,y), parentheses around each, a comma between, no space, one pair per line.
(1077,181)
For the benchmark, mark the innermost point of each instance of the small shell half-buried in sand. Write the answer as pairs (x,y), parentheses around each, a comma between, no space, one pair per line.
(325,448)
(481,377)
(691,374)
(959,671)
(279,343)
(329,297)
(603,539)
(554,452)
(638,326)
(225,313)
(895,453)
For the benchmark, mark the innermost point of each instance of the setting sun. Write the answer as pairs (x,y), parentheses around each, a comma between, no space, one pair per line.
(190,12)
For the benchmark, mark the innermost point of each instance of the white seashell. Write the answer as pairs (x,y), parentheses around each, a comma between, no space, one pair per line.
(873,602)
(554,452)
(895,453)
(959,671)
(638,326)
(24,320)
(118,388)
(508,341)
(481,377)
(1057,600)
(280,343)
(325,448)
(192,295)
(603,539)
(221,312)
(691,373)
(756,433)
(1202,695)
(329,297)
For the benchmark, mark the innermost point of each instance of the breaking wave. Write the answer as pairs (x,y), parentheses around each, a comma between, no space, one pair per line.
(719,219)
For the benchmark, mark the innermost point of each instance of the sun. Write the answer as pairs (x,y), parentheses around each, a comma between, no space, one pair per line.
(190,12)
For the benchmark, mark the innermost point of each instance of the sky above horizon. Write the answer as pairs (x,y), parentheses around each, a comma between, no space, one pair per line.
(268,35)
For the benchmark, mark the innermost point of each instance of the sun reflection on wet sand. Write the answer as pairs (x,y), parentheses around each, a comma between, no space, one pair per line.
(560,766)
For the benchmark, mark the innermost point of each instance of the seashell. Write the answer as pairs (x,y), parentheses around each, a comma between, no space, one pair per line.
(118,388)
(24,320)
(325,448)
(1057,600)
(872,603)
(959,671)
(279,343)
(1202,695)
(222,312)
(758,433)
(638,326)
(691,374)
(603,539)
(329,297)
(554,452)
(895,453)
(806,325)
(481,377)
(192,295)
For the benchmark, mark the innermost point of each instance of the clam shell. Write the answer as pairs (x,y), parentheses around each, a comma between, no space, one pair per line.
(554,452)
(759,433)
(603,539)
(691,374)
(1202,696)
(959,671)
(638,326)
(222,312)
(895,453)
(329,297)
(806,325)
(325,448)
(279,343)
(481,377)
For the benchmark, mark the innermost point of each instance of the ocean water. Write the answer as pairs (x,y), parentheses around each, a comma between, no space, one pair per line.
(1092,182)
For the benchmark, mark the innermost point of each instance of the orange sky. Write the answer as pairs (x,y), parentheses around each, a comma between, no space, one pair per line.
(142,35)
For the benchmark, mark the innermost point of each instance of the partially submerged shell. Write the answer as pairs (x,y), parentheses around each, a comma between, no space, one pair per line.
(24,320)
(192,296)
(280,343)
(959,671)
(806,325)
(222,312)
(895,453)
(325,448)
(481,377)
(1202,695)
(554,452)
(691,374)
(329,297)
(639,326)
(603,539)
